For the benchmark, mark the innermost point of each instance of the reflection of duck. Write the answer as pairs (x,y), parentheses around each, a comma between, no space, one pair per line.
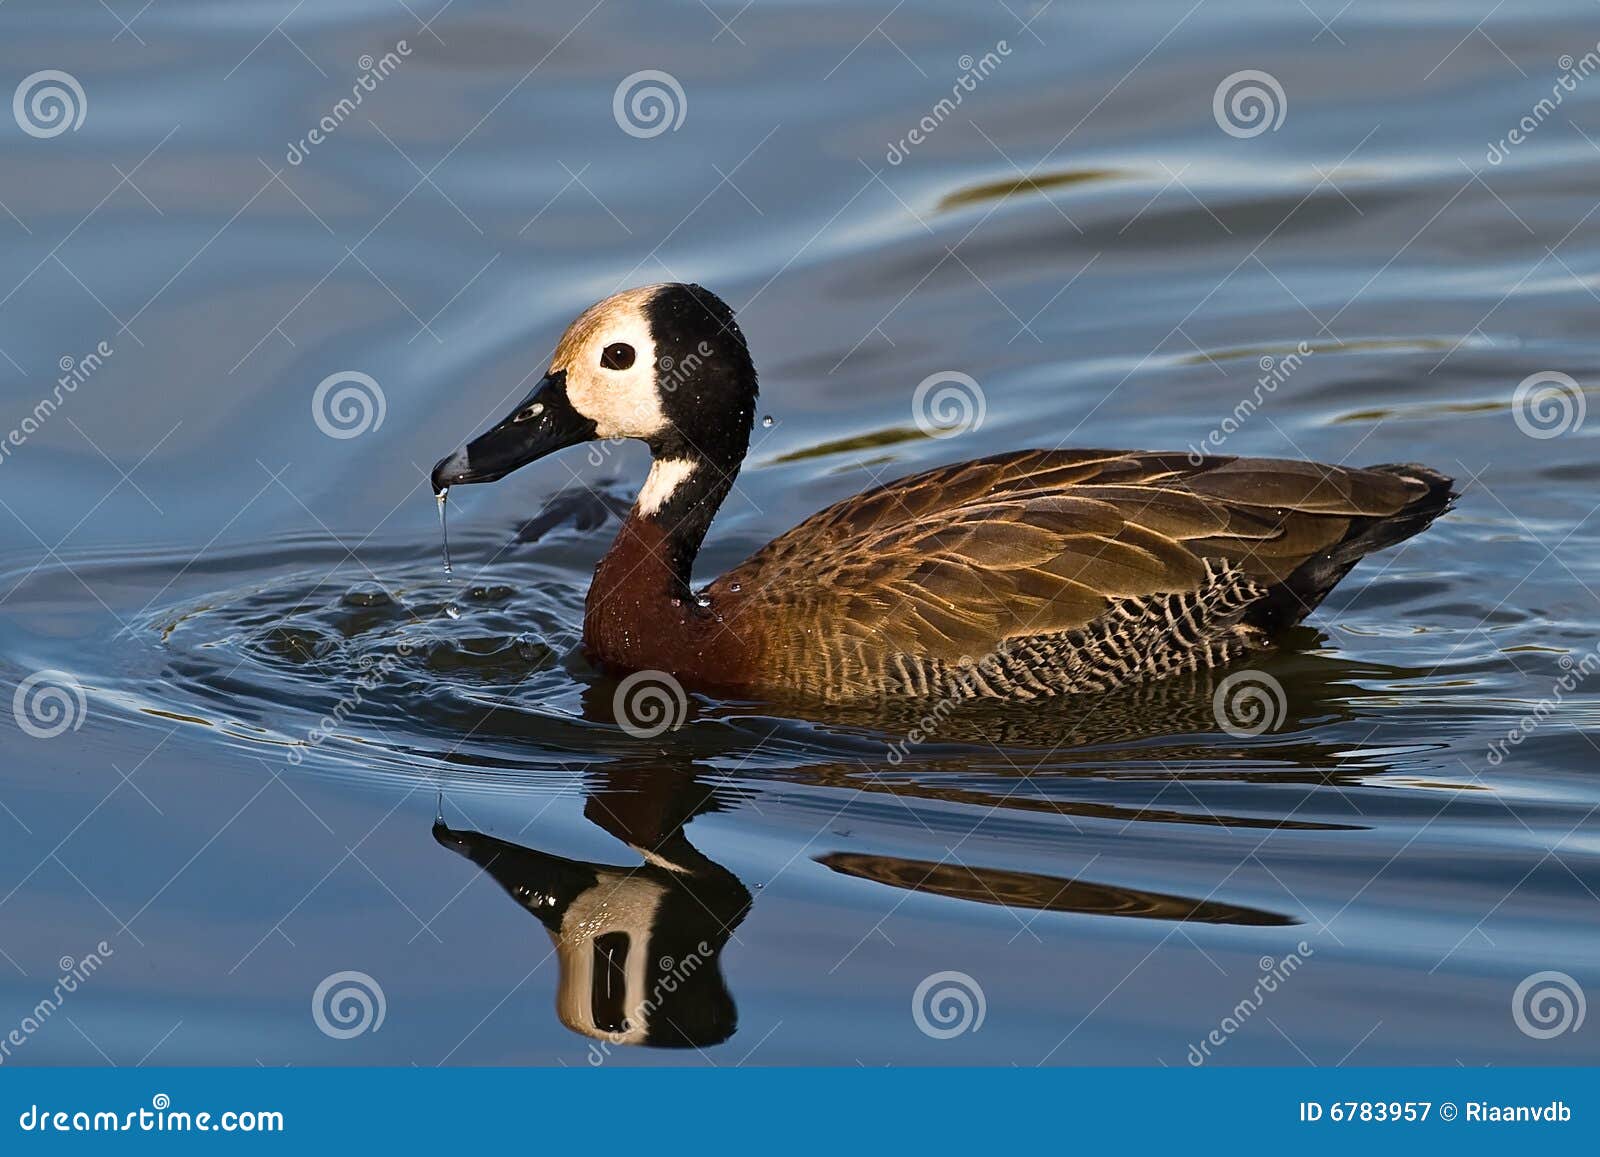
(1167,732)
(1029,574)
(612,925)
(1041,893)
(638,948)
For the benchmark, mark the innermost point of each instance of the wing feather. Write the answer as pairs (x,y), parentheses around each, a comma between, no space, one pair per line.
(951,562)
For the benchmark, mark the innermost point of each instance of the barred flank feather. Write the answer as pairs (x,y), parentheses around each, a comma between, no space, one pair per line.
(1043,573)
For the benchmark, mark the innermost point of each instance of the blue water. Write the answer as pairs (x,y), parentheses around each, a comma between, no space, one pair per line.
(205,575)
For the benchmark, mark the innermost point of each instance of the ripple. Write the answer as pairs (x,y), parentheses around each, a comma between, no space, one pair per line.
(1005,189)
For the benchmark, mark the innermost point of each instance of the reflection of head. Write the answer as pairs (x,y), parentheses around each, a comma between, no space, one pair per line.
(632,970)
(638,949)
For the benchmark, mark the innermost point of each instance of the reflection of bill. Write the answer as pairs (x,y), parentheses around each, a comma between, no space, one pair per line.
(637,947)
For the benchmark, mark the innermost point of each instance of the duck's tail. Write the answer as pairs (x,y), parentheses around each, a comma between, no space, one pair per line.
(1306,586)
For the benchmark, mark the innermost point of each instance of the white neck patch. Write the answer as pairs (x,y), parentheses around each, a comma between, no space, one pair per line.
(666,475)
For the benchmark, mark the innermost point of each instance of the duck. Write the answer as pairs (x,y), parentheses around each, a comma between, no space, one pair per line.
(1025,575)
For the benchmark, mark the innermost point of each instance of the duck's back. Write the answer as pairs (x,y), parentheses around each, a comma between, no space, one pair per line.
(1049,572)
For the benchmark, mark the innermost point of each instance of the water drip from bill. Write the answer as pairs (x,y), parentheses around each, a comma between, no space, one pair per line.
(444,530)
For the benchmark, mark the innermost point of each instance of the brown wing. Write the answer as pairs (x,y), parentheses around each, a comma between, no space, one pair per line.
(951,562)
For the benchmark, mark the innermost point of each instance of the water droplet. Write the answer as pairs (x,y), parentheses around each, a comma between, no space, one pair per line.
(444,532)
(677,602)
(734,587)
(702,600)
(452,611)
(768,421)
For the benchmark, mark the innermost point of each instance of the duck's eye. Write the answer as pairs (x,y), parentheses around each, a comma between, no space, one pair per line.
(617,356)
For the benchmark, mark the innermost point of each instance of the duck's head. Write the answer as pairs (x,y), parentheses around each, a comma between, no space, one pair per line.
(665,364)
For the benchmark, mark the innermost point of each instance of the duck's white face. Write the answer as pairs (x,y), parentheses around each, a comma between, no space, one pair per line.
(609,358)
(665,364)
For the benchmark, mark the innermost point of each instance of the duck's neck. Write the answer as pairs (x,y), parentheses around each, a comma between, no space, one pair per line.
(679,499)
(641,611)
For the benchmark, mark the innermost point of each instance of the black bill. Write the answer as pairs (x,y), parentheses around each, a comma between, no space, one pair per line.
(542,423)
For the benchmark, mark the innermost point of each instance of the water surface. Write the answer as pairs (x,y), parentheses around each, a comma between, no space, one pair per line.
(302,749)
